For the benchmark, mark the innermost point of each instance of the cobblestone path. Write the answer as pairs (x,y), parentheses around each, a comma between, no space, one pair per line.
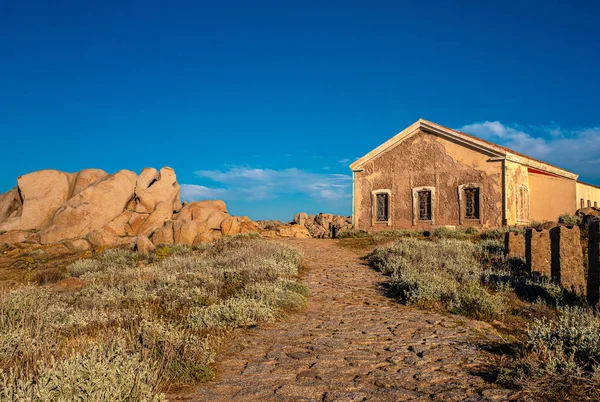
(354,344)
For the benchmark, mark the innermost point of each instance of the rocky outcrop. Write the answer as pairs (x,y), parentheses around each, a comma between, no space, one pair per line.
(587,215)
(324,225)
(306,226)
(94,209)
(91,209)
(41,194)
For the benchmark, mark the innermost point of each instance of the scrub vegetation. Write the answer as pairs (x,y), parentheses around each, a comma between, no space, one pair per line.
(130,331)
(552,337)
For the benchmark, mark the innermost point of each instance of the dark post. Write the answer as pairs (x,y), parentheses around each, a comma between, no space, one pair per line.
(593,288)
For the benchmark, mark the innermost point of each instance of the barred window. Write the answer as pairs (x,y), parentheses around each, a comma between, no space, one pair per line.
(472,203)
(382,207)
(425,205)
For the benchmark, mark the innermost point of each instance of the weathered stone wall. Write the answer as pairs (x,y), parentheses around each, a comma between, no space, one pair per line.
(593,283)
(538,252)
(517,208)
(567,258)
(427,160)
(514,244)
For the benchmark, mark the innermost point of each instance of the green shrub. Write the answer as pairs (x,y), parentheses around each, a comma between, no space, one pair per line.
(443,232)
(445,271)
(500,232)
(474,300)
(560,358)
(569,220)
(353,234)
(133,329)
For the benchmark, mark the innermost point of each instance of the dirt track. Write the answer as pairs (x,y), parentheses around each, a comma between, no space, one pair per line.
(353,343)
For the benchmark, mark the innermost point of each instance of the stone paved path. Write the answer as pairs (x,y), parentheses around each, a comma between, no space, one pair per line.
(354,344)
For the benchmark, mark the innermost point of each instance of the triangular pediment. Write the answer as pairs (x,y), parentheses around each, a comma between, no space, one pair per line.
(494,151)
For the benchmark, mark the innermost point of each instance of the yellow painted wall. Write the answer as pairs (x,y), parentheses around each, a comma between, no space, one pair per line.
(550,197)
(587,192)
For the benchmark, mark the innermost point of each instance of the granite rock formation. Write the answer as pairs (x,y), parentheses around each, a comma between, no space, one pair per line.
(91,208)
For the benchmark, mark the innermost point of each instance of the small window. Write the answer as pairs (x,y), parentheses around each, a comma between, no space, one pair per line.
(472,203)
(424,205)
(582,203)
(589,203)
(382,207)
(595,204)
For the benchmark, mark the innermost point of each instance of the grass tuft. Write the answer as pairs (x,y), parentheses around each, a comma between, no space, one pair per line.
(134,331)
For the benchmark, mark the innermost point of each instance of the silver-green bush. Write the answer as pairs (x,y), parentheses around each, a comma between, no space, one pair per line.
(134,329)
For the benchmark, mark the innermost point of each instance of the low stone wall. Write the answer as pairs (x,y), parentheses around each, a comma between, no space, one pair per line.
(593,283)
(556,254)
(538,253)
(514,244)
(567,258)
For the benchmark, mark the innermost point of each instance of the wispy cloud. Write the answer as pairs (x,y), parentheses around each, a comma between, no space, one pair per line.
(196,192)
(261,184)
(575,149)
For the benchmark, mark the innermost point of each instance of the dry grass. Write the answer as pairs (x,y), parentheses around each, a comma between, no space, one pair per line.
(134,331)
(554,337)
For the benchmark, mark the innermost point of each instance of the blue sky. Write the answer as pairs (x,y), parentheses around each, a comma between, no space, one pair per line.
(264,104)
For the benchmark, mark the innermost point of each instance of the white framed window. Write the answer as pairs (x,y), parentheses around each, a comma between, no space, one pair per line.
(423,205)
(469,203)
(381,210)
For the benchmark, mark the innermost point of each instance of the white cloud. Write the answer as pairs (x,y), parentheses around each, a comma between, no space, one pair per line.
(577,150)
(508,136)
(195,192)
(261,184)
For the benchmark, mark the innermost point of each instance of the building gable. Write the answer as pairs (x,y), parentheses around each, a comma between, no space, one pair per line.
(494,151)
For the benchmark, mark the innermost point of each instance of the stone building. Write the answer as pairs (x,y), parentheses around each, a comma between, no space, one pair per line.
(430,175)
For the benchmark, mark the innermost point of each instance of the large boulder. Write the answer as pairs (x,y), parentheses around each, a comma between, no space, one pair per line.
(185,231)
(92,208)
(324,220)
(294,230)
(18,236)
(231,226)
(10,204)
(164,235)
(77,245)
(85,178)
(164,189)
(146,178)
(157,219)
(42,193)
(247,225)
(103,238)
(136,221)
(300,218)
(200,211)
(119,225)
(144,246)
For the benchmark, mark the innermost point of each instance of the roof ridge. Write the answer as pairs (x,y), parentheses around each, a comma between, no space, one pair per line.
(500,146)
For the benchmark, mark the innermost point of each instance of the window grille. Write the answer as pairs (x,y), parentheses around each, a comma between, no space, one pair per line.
(425,205)
(382,207)
(472,201)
